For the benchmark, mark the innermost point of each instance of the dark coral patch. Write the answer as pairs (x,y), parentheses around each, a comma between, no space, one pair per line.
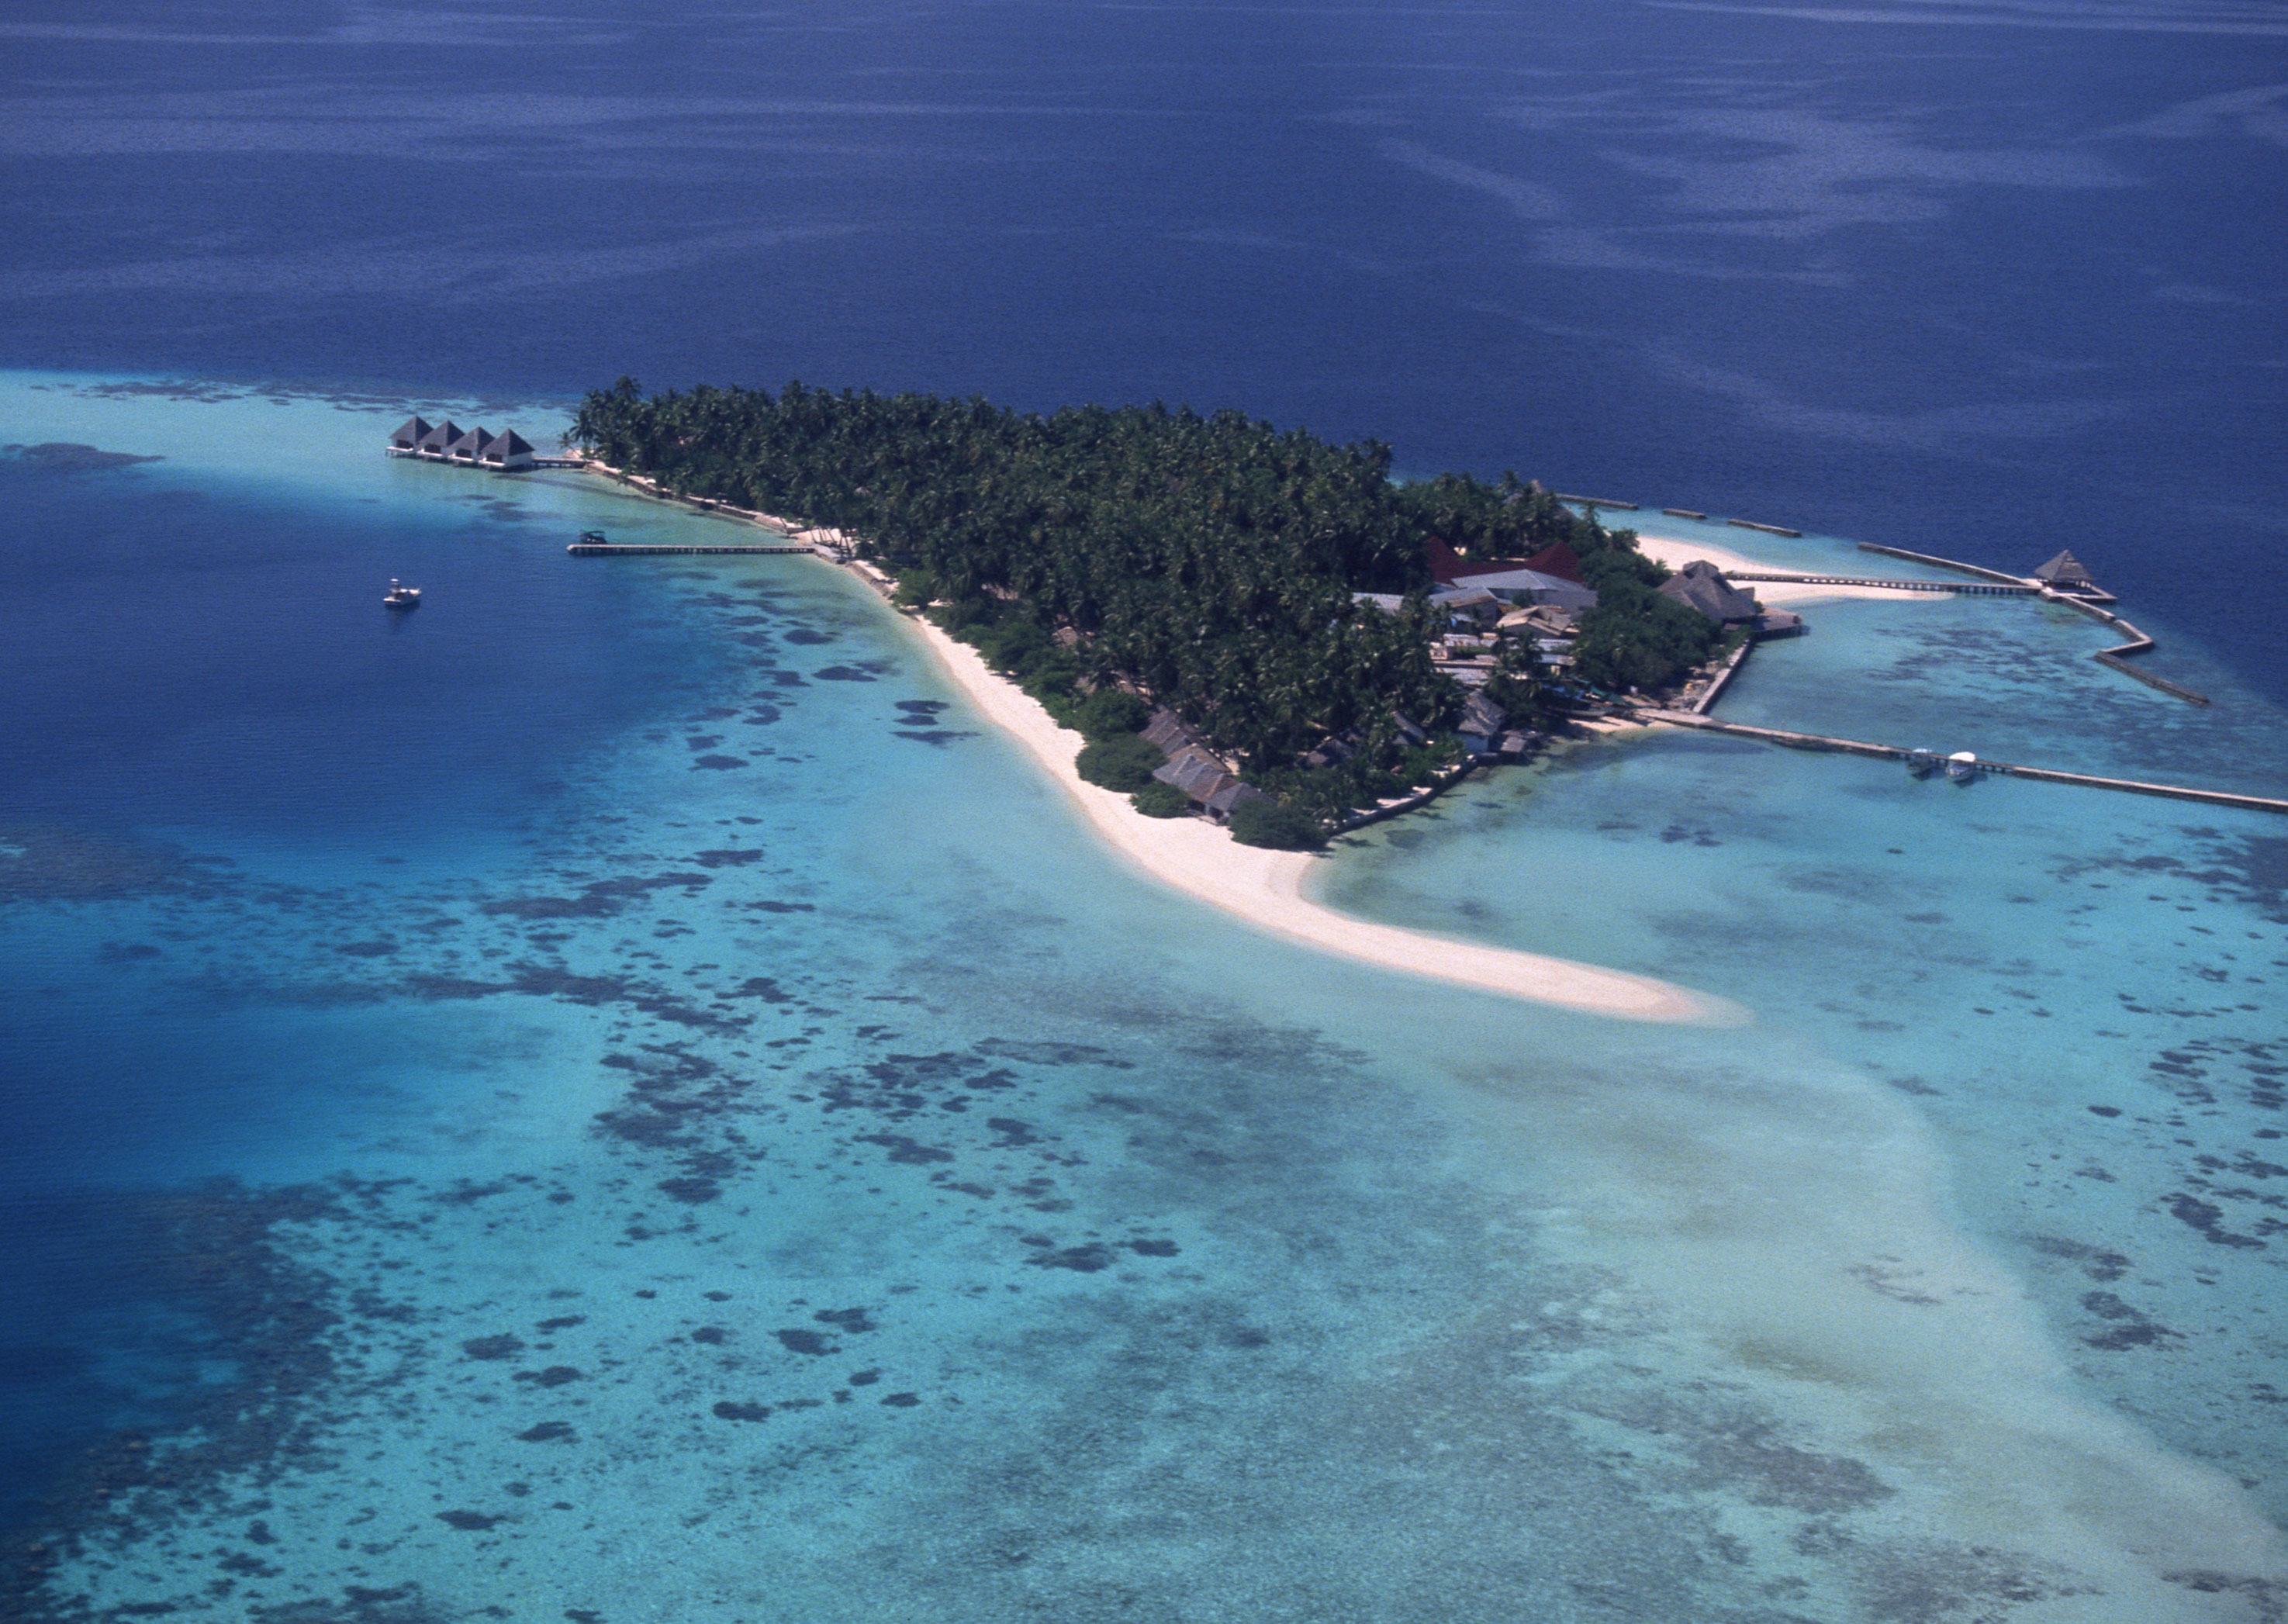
(548,1432)
(555,1376)
(718,764)
(500,1347)
(803,1340)
(728,1410)
(469,1521)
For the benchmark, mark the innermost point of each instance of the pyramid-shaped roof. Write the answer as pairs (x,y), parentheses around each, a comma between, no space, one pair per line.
(2065,569)
(1557,560)
(409,433)
(508,442)
(1701,585)
(441,436)
(471,445)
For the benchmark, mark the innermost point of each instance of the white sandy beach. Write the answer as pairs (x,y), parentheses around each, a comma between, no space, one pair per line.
(1266,889)
(1676,553)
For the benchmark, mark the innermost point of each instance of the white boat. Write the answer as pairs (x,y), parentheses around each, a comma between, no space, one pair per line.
(1922,764)
(1962,766)
(401,597)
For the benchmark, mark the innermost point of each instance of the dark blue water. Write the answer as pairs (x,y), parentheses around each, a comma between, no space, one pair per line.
(1897,278)
(1940,281)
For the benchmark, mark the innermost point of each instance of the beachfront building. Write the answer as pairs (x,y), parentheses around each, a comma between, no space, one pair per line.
(1701,585)
(1196,769)
(2065,574)
(448,442)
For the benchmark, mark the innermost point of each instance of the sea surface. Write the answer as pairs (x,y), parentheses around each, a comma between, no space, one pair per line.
(616,1096)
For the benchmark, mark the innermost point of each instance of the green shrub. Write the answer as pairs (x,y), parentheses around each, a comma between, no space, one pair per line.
(1110,712)
(1124,762)
(1159,800)
(1277,825)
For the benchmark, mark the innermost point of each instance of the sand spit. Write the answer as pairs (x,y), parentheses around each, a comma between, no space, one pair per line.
(1268,889)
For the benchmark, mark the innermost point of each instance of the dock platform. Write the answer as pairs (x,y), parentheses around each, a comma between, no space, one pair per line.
(1999,769)
(1990,588)
(603,549)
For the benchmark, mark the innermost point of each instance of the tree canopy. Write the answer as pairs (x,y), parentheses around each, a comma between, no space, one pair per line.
(1208,561)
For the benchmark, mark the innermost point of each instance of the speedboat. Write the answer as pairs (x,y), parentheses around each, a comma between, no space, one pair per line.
(1962,766)
(401,597)
(1922,764)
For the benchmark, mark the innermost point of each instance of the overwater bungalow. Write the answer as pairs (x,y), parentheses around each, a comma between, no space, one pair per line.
(2065,574)
(448,442)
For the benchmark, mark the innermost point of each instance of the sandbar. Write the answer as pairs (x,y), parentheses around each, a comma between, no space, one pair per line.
(1266,889)
(1677,552)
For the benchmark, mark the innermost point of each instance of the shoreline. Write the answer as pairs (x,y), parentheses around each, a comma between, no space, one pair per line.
(1266,890)
(1676,552)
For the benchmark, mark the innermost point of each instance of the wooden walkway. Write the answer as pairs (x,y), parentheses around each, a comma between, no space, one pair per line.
(1990,588)
(1860,747)
(607,549)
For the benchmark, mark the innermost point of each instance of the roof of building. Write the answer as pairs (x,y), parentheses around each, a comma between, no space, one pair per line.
(471,444)
(2067,569)
(1234,793)
(1172,733)
(507,443)
(1481,715)
(409,431)
(441,435)
(1701,586)
(1557,560)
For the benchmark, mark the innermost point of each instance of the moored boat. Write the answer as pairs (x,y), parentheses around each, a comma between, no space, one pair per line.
(1962,766)
(401,597)
(1922,764)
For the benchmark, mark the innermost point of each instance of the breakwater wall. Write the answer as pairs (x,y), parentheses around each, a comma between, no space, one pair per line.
(1979,570)
(1750,523)
(1998,769)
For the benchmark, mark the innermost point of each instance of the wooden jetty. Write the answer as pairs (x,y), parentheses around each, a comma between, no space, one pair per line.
(1860,747)
(1750,523)
(1594,502)
(2116,658)
(1991,588)
(610,549)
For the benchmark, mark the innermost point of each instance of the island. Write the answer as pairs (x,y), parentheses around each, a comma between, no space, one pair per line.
(1247,624)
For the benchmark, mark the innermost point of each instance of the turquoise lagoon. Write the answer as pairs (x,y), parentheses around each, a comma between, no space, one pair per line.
(709,1137)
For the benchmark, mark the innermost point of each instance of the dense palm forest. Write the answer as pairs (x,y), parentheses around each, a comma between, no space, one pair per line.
(1207,561)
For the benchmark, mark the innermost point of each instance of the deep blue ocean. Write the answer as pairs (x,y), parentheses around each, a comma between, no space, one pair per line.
(640,974)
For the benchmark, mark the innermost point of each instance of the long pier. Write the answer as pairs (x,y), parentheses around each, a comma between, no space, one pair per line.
(2050,775)
(606,550)
(1991,588)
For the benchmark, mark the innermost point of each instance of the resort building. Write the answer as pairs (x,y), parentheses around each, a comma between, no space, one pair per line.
(2065,574)
(1197,770)
(448,442)
(1551,576)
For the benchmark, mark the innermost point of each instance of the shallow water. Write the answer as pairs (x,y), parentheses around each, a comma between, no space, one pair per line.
(715,1138)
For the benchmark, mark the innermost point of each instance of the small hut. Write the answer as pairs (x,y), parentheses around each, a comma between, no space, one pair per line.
(2065,574)
(433,443)
(1701,585)
(471,447)
(409,434)
(507,449)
